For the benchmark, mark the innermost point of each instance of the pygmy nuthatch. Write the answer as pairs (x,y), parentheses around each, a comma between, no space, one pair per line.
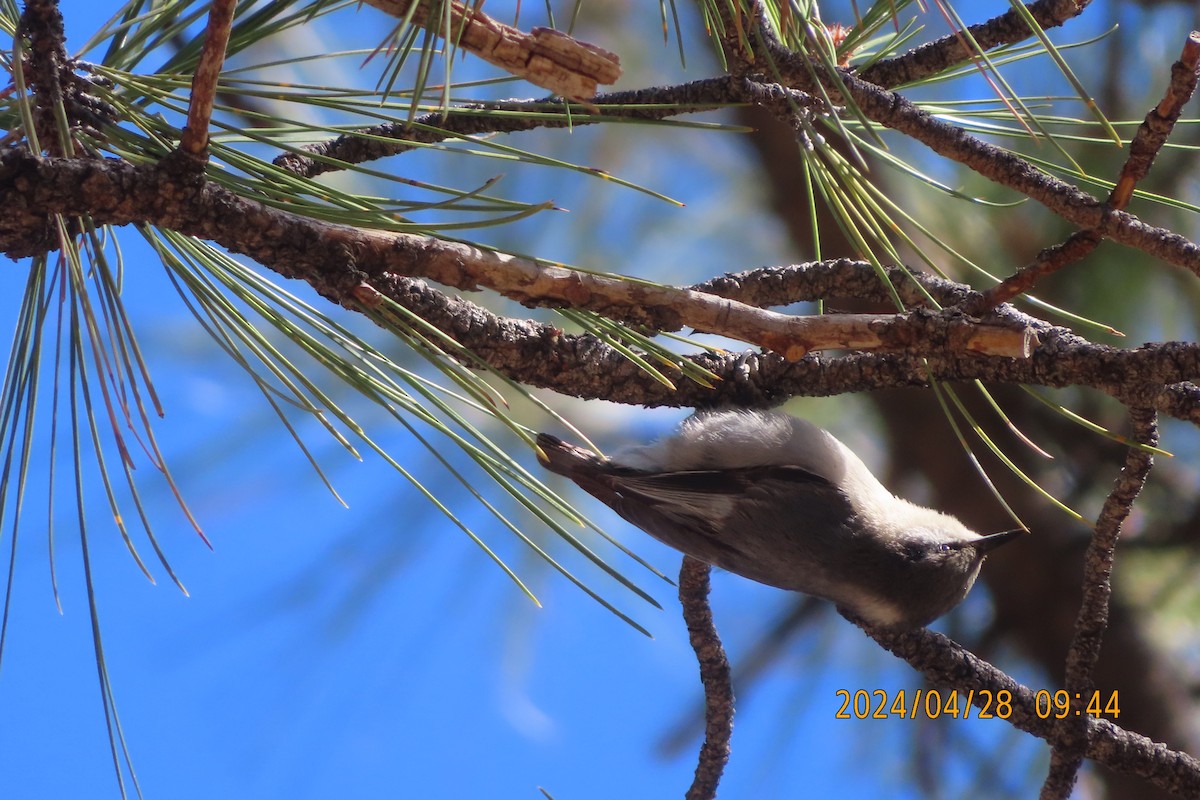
(780,501)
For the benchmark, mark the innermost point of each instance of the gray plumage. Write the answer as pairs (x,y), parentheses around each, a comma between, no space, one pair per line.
(780,501)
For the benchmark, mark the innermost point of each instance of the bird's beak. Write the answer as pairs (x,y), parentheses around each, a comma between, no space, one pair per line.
(990,542)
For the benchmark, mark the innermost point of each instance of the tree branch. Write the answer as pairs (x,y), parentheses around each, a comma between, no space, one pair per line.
(204,82)
(655,103)
(954,48)
(336,260)
(1092,622)
(667,309)
(331,256)
(42,23)
(544,57)
(714,674)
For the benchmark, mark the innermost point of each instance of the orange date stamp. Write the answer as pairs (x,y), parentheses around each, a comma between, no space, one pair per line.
(986,704)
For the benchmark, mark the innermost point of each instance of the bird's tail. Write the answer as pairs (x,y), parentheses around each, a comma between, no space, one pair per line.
(565,459)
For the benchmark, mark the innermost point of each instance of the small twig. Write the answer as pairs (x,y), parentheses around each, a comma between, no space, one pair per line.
(1092,622)
(1098,560)
(952,49)
(1074,248)
(42,23)
(194,141)
(544,57)
(1160,121)
(1151,136)
(839,277)
(654,103)
(714,674)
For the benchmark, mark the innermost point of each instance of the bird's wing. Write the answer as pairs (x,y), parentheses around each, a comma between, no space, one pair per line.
(697,509)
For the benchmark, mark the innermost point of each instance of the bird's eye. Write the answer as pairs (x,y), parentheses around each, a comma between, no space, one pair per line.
(945,548)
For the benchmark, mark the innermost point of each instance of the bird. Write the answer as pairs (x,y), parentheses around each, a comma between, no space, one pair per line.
(781,501)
